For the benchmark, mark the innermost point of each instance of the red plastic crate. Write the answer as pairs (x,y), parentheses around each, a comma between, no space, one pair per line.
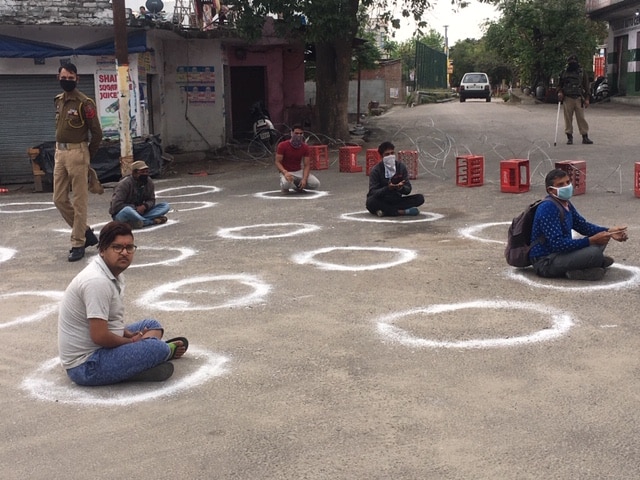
(372,158)
(469,170)
(410,159)
(348,159)
(577,171)
(514,176)
(319,155)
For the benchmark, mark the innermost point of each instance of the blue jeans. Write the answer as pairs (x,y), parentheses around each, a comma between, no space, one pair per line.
(132,217)
(107,366)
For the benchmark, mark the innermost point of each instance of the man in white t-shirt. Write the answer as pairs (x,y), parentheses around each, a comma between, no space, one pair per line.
(95,346)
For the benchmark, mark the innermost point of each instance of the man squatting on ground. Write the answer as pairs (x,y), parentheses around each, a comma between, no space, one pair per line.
(573,92)
(389,186)
(289,156)
(94,345)
(555,253)
(134,199)
(76,116)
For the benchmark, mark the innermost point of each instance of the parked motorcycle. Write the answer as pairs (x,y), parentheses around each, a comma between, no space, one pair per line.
(599,89)
(262,125)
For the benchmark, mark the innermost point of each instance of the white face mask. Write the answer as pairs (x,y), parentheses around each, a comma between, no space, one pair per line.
(389,162)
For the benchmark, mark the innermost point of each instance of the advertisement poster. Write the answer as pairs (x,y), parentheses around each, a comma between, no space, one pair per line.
(198,84)
(108,103)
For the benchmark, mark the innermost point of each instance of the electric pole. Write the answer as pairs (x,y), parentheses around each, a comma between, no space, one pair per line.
(122,64)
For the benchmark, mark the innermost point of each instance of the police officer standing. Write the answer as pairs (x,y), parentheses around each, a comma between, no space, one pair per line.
(76,116)
(573,92)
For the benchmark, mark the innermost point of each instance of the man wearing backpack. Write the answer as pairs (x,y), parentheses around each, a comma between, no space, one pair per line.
(554,252)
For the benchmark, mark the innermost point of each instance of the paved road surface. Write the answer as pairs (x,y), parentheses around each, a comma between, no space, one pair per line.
(328,344)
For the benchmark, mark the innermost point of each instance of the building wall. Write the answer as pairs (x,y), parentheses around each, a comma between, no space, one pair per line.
(192,123)
(60,12)
(382,85)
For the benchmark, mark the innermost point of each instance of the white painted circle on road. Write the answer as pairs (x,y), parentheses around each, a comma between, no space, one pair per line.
(183,254)
(154,298)
(472,232)
(41,312)
(366,216)
(402,255)
(204,189)
(6,254)
(539,282)
(198,205)
(561,322)
(50,383)
(278,195)
(232,232)
(4,209)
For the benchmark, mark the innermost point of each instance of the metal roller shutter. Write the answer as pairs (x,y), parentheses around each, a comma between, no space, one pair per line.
(27,119)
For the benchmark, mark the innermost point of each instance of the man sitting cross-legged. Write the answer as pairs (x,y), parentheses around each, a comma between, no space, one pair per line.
(95,346)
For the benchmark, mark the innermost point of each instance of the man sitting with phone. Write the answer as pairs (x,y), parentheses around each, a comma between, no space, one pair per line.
(555,253)
(389,186)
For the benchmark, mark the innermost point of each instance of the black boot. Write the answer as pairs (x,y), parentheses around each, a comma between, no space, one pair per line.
(569,139)
(586,140)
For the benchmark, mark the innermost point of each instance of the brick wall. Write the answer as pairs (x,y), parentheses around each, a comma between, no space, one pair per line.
(56,12)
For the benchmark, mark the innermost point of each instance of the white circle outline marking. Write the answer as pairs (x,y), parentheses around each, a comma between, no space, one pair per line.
(471,232)
(230,232)
(6,254)
(207,189)
(428,217)
(184,253)
(404,256)
(152,298)
(42,312)
(202,205)
(45,389)
(561,323)
(308,195)
(514,274)
(26,203)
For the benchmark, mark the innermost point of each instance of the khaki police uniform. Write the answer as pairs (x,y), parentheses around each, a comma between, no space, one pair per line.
(76,117)
(575,88)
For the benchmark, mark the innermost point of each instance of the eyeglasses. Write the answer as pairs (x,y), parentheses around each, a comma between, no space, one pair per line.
(119,248)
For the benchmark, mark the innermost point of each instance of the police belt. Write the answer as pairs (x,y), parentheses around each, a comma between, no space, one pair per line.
(69,146)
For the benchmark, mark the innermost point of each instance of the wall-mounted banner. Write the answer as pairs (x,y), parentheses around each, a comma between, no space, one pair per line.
(197,83)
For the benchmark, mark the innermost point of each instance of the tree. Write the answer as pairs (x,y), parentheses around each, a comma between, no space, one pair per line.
(474,56)
(331,26)
(536,36)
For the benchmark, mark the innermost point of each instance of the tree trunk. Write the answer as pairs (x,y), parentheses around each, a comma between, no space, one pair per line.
(333,65)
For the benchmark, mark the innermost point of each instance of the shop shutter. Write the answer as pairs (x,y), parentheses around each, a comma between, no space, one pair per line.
(27,119)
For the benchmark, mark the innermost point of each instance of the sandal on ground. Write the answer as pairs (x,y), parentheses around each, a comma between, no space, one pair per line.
(173,345)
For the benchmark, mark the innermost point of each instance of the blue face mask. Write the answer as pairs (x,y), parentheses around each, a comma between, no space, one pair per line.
(564,193)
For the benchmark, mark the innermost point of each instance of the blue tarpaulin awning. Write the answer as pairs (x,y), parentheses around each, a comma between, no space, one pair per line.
(13,47)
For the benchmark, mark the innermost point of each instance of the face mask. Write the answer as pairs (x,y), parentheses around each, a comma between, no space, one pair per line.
(564,193)
(142,179)
(68,85)
(573,67)
(389,162)
(296,140)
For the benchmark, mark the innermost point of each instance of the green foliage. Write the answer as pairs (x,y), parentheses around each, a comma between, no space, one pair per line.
(536,36)
(367,55)
(432,39)
(331,25)
(473,56)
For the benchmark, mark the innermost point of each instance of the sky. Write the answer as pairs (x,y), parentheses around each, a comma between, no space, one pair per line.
(461,25)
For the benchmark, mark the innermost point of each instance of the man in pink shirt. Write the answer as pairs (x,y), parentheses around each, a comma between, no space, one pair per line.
(290,156)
